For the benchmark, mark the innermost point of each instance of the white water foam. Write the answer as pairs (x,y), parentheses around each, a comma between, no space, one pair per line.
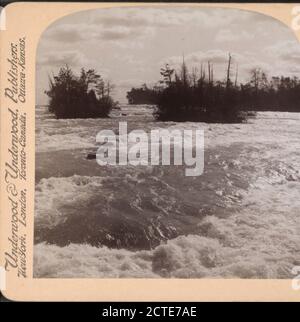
(260,241)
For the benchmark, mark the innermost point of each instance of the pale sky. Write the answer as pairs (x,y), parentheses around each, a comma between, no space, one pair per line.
(128,46)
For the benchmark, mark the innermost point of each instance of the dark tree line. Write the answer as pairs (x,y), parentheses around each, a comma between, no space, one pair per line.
(83,96)
(142,95)
(195,95)
(275,94)
(181,95)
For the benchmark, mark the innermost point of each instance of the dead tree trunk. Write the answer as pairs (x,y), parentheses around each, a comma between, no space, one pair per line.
(236,75)
(228,71)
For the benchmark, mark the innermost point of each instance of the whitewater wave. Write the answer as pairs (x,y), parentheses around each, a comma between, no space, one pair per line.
(68,134)
(261,241)
(239,219)
(191,256)
(53,193)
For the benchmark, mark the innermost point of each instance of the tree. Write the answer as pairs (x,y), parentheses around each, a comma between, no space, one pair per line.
(190,99)
(75,97)
(109,87)
(167,73)
(228,71)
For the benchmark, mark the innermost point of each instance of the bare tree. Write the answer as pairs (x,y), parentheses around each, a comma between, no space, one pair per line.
(236,75)
(109,87)
(228,71)
(194,76)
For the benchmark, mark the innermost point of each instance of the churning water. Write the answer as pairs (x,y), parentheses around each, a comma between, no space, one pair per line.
(240,218)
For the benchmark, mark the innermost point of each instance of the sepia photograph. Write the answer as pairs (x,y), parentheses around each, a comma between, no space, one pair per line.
(167,145)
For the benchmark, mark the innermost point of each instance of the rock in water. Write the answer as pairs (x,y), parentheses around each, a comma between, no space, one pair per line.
(91,156)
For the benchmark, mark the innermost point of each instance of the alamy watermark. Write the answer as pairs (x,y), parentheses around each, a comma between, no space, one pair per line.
(159,147)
